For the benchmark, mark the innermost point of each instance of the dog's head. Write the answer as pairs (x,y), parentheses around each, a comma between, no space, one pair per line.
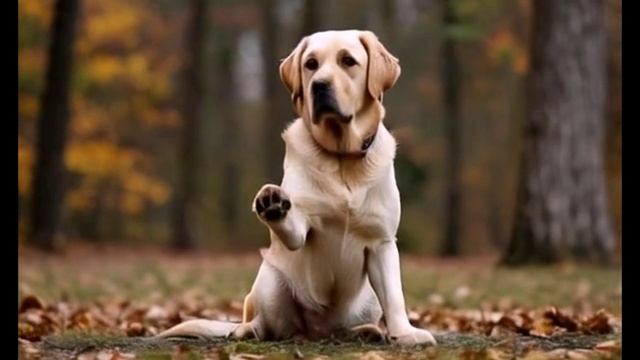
(336,80)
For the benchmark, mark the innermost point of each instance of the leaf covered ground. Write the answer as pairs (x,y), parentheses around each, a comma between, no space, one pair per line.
(105,302)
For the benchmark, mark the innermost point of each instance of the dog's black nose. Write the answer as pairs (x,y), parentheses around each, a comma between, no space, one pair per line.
(324,102)
(320,88)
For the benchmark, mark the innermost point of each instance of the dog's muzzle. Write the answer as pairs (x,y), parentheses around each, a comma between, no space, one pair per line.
(324,103)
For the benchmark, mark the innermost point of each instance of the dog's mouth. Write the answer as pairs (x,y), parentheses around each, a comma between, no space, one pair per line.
(325,106)
(331,117)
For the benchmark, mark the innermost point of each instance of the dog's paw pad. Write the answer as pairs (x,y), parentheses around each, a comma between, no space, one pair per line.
(271,203)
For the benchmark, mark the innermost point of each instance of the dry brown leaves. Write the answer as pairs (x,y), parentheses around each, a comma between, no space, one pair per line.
(117,317)
(121,317)
(545,323)
(37,319)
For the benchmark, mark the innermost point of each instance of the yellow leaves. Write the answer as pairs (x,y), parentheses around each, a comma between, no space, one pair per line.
(99,158)
(503,47)
(155,191)
(31,60)
(137,71)
(145,87)
(28,106)
(39,9)
(104,68)
(112,21)
(133,69)
(137,64)
(102,161)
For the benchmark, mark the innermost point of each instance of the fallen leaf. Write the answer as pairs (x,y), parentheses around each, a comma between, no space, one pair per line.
(30,302)
(135,329)
(559,318)
(581,354)
(371,355)
(598,323)
(611,346)
(242,356)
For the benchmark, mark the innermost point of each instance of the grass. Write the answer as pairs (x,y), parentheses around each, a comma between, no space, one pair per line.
(449,346)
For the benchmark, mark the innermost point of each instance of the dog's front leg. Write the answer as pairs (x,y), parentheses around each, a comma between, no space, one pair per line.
(275,209)
(383,268)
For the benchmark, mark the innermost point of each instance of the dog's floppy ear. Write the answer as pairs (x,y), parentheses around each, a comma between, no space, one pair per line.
(383,69)
(290,71)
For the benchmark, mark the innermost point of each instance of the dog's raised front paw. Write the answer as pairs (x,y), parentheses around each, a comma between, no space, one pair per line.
(414,336)
(271,203)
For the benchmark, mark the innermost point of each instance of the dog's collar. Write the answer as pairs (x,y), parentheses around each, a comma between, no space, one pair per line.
(366,144)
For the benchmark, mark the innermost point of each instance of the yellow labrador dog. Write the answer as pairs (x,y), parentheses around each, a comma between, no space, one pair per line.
(333,262)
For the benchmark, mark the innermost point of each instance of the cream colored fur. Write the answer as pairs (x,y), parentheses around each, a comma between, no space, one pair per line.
(332,263)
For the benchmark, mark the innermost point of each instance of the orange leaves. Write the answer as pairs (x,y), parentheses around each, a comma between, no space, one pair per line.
(30,302)
(34,321)
(32,59)
(546,323)
(114,317)
(25,166)
(599,323)
(503,47)
(122,318)
(42,10)
(28,106)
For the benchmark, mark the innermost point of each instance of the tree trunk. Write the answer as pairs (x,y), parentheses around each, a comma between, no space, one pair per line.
(227,93)
(614,133)
(49,182)
(389,11)
(187,189)
(275,117)
(310,16)
(562,201)
(451,101)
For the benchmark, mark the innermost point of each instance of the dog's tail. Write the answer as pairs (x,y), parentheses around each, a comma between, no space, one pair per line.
(201,328)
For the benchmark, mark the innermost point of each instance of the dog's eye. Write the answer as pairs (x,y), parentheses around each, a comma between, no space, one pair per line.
(311,64)
(349,61)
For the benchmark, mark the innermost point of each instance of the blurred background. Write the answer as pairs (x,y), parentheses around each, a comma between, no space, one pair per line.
(156,121)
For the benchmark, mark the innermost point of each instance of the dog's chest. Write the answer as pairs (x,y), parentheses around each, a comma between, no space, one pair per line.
(362,214)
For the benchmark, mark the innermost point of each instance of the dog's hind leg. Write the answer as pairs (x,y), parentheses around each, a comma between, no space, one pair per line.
(248,309)
(368,333)
(201,328)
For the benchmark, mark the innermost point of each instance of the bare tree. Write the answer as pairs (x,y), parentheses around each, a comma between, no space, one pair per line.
(187,188)
(614,130)
(275,116)
(451,101)
(310,17)
(226,94)
(49,178)
(389,10)
(562,201)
